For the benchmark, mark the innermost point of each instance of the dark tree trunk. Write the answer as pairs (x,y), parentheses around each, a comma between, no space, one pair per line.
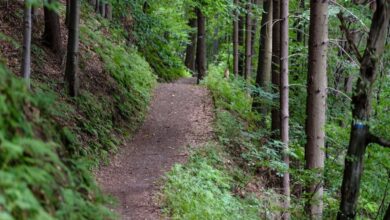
(248,41)
(72,59)
(241,36)
(102,8)
(52,35)
(97,5)
(108,11)
(254,30)
(67,13)
(360,135)
(275,122)
(191,47)
(263,77)
(235,41)
(201,45)
(300,27)
(26,62)
(387,215)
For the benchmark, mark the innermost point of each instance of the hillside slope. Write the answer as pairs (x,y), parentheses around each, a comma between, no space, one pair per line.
(50,142)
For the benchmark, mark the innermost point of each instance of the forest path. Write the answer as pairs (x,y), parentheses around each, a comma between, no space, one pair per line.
(180,115)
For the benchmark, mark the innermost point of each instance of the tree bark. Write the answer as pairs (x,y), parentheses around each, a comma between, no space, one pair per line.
(108,11)
(191,47)
(201,45)
(97,5)
(387,215)
(52,34)
(254,30)
(284,101)
(275,114)
(360,135)
(300,27)
(248,41)
(102,8)
(241,42)
(316,104)
(72,60)
(263,77)
(67,13)
(26,62)
(235,41)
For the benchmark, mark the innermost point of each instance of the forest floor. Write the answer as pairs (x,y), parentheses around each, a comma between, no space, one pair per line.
(180,117)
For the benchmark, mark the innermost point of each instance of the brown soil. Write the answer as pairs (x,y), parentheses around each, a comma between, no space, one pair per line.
(180,116)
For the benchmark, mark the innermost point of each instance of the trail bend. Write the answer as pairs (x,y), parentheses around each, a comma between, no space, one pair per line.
(180,115)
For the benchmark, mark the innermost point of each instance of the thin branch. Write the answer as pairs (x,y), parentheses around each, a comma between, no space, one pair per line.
(343,28)
(378,140)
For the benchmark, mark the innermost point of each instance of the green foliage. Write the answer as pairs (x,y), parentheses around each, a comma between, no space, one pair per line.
(34,182)
(199,189)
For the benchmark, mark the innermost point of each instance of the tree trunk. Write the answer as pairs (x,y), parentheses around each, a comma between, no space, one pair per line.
(284,102)
(108,11)
(26,62)
(263,77)
(52,34)
(241,36)
(97,6)
(275,118)
(67,13)
(102,8)
(248,41)
(201,45)
(254,30)
(360,135)
(387,215)
(191,47)
(316,104)
(72,59)
(300,27)
(235,41)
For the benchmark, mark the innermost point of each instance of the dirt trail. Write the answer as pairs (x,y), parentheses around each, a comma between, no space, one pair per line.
(180,115)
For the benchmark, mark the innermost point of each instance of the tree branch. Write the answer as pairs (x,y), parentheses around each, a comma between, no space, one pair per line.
(378,140)
(344,28)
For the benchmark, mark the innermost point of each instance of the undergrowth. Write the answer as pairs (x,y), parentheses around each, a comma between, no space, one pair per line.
(49,143)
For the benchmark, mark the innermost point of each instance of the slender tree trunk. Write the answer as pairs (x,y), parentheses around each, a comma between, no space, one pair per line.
(102,8)
(52,35)
(360,135)
(284,102)
(316,104)
(191,47)
(97,5)
(67,13)
(275,118)
(265,56)
(241,36)
(263,77)
(300,27)
(201,45)
(248,41)
(387,215)
(235,41)
(254,30)
(108,11)
(26,62)
(72,60)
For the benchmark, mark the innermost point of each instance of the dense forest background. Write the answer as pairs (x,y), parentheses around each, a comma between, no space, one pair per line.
(301,92)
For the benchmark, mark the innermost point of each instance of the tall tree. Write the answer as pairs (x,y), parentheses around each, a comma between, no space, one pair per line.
(26,62)
(316,104)
(241,43)
(254,29)
(263,77)
(275,118)
(191,47)
(360,136)
(52,34)
(201,45)
(284,102)
(235,40)
(248,40)
(72,59)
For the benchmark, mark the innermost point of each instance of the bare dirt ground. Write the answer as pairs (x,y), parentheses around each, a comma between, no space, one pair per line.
(180,116)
